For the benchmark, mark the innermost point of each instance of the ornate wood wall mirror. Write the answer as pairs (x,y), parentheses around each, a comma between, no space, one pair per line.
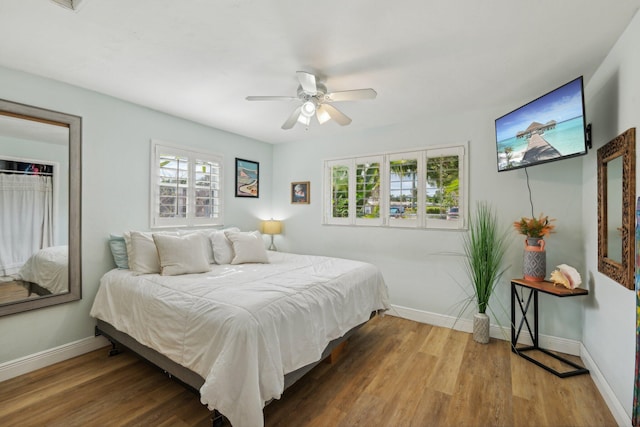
(616,208)
(40,192)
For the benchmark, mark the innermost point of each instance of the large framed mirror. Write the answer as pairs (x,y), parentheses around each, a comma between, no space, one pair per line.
(616,208)
(40,207)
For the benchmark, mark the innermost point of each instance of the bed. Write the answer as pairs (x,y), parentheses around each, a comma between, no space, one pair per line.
(236,330)
(47,271)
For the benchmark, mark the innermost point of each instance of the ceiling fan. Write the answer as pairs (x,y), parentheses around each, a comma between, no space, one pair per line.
(317,101)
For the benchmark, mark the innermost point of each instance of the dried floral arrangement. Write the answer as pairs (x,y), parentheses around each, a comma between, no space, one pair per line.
(534,227)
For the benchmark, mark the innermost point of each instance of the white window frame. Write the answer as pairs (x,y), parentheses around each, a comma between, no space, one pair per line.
(159,148)
(421,221)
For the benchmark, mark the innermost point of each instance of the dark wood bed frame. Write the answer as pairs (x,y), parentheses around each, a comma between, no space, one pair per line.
(34,288)
(191,379)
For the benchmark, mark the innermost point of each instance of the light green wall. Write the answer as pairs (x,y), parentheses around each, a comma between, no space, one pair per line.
(115,192)
(613,106)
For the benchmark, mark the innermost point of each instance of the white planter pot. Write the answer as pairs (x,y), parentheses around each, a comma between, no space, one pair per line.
(481,328)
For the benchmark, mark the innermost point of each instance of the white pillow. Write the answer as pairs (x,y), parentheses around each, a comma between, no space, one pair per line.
(222,248)
(182,254)
(206,233)
(247,247)
(142,252)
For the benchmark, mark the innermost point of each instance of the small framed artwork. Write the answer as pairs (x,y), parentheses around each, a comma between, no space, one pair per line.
(300,192)
(247,178)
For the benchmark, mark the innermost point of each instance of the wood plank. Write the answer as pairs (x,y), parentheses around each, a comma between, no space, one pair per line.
(551,288)
(444,376)
(411,382)
(432,409)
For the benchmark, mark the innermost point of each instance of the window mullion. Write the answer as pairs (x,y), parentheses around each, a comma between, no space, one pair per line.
(384,189)
(421,201)
(352,191)
(191,192)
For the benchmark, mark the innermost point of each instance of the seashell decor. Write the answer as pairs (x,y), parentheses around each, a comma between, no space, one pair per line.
(566,276)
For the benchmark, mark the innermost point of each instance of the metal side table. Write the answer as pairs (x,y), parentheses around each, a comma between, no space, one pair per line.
(534,288)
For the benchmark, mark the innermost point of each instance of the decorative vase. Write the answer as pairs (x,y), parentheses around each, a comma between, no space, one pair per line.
(481,328)
(535,259)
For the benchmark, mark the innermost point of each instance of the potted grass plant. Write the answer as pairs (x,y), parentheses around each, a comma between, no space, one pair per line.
(485,245)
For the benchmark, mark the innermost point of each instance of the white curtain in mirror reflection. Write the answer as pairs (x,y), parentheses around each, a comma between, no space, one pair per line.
(26,215)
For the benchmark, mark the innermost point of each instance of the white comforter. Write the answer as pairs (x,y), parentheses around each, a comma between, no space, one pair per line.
(242,327)
(49,268)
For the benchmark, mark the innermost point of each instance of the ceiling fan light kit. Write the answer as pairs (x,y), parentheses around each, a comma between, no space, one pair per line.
(317,101)
(305,120)
(309,108)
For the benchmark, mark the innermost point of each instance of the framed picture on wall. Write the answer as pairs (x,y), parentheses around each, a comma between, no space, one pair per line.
(247,178)
(300,192)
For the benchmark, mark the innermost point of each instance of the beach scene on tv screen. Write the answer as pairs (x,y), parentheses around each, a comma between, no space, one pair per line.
(546,129)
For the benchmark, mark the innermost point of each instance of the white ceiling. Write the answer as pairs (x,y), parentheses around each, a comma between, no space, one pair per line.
(199,59)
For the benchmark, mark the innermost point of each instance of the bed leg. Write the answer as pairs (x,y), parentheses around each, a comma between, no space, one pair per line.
(114,347)
(336,352)
(217,419)
(114,351)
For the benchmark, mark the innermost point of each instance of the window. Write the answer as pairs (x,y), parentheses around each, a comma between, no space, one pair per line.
(186,187)
(420,189)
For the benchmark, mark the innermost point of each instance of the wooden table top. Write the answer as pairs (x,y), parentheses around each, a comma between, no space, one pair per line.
(550,288)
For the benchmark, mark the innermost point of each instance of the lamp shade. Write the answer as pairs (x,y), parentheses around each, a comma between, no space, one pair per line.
(272,227)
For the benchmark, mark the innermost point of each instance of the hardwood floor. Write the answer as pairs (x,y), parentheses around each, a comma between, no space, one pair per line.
(12,291)
(394,372)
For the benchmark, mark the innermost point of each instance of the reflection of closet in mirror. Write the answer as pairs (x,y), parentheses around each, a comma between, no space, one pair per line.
(34,217)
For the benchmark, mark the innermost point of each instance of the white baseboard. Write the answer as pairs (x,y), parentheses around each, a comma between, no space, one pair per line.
(32,362)
(616,408)
(563,345)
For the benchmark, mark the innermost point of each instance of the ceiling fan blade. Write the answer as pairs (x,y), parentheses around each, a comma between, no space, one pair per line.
(336,115)
(271,98)
(351,95)
(308,82)
(293,118)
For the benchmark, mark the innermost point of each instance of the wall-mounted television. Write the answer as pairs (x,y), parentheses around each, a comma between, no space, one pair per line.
(546,129)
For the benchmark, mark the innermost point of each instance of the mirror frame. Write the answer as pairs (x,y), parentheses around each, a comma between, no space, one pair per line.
(74,123)
(624,145)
